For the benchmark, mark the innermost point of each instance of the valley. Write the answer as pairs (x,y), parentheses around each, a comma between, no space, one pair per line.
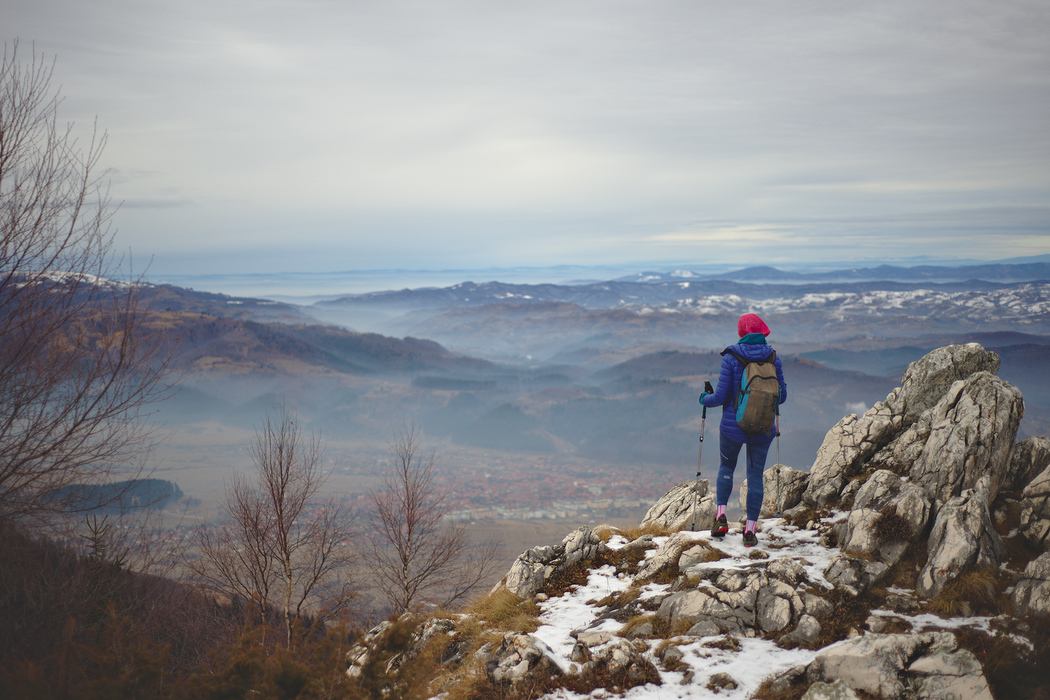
(554,401)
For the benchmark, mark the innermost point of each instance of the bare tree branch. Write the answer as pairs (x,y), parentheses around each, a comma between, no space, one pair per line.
(416,556)
(78,367)
(283,547)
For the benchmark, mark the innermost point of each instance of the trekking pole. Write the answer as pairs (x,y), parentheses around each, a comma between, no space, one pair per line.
(778,435)
(696,487)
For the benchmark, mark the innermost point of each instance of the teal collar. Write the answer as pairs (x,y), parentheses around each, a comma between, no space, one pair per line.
(753,339)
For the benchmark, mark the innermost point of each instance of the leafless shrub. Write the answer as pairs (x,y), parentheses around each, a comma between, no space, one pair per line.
(282,547)
(415,556)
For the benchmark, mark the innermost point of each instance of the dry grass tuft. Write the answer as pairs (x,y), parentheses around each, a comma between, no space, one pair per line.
(620,599)
(636,622)
(627,560)
(793,693)
(506,611)
(891,527)
(979,591)
(726,643)
(850,613)
(566,578)
(654,529)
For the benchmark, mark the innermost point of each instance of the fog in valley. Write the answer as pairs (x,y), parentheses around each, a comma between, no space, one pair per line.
(561,401)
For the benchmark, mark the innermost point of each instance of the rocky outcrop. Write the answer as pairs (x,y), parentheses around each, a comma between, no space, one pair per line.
(887,511)
(666,556)
(1029,458)
(534,567)
(853,442)
(847,446)
(967,435)
(517,657)
(901,665)
(674,510)
(854,575)
(963,538)
(1035,511)
(1031,595)
(929,378)
(734,601)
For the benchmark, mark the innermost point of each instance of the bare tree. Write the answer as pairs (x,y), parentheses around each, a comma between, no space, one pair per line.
(415,555)
(283,547)
(77,363)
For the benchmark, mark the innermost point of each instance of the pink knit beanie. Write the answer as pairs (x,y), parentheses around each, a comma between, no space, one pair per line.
(751,323)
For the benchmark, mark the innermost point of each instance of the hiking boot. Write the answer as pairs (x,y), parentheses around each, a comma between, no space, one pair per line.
(750,538)
(720,528)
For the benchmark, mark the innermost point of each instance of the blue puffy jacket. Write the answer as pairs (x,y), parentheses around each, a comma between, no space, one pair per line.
(752,346)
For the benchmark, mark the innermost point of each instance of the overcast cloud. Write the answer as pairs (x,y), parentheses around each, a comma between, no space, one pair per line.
(277,135)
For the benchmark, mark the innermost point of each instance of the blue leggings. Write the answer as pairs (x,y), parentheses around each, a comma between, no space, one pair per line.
(729,450)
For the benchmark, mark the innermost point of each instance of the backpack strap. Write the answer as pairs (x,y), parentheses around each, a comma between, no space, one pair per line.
(771,357)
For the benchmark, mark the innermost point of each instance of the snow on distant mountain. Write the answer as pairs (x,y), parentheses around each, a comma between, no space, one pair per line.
(1019,303)
(710,296)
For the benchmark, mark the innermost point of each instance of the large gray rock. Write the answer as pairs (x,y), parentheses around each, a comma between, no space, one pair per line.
(735,600)
(807,632)
(846,447)
(943,674)
(531,569)
(1030,457)
(853,441)
(859,534)
(1031,595)
(830,691)
(534,567)
(970,433)
(666,555)
(520,656)
(1035,511)
(912,505)
(895,666)
(927,379)
(674,510)
(624,656)
(854,575)
(777,606)
(878,490)
(582,544)
(782,489)
(872,663)
(962,538)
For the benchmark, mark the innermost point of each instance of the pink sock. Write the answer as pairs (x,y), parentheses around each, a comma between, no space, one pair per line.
(751,525)
(719,511)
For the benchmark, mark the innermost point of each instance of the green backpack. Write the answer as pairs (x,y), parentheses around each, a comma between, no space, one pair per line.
(758,396)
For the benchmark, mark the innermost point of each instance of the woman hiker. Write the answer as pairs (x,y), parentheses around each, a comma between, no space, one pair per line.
(751,348)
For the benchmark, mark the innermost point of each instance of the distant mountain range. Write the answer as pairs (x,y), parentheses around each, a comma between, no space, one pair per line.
(994,272)
(656,289)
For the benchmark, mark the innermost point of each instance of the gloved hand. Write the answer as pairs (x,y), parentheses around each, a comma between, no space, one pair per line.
(702,397)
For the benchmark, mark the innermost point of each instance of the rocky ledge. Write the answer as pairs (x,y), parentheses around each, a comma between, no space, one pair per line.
(910,561)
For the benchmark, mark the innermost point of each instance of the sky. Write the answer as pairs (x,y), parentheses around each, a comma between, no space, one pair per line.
(320,136)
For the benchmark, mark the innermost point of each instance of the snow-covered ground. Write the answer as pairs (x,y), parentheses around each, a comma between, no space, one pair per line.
(756,660)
